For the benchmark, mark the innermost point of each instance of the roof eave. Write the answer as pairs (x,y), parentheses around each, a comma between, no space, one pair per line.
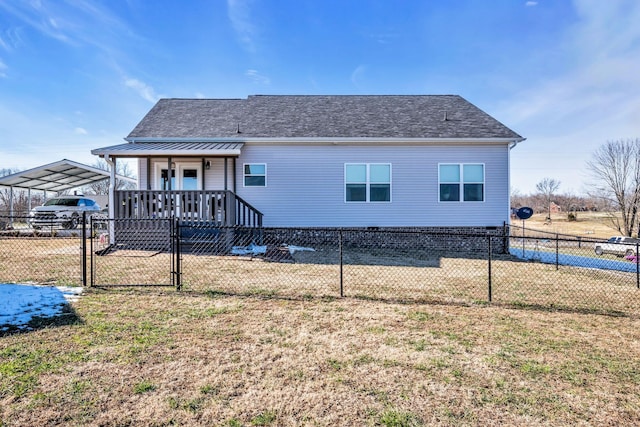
(346,140)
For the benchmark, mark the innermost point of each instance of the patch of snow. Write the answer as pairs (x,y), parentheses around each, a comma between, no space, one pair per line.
(21,303)
(293,249)
(249,250)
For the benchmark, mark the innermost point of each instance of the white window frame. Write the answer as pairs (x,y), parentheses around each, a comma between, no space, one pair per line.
(368,183)
(462,182)
(245,175)
(179,168)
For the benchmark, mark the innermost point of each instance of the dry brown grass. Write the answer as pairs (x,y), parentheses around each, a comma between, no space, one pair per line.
(290,352)
(588,224)
(149,358)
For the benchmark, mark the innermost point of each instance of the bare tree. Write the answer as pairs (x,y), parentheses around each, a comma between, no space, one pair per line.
(615,169)
(547,187)
(102,187)
(18,198)
(570,203)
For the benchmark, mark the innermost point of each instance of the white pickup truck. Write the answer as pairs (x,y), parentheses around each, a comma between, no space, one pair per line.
(617,245)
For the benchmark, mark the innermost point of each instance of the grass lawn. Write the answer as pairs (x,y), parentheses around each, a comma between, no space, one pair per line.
(596,225)
(148,357)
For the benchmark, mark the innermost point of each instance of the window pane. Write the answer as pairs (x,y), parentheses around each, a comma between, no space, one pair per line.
(356,193)
(449,192)
(254,169)
(164,182)
(380,173)
(189,179)
(380,193)
(473,173)
(473,192)
(254,181)
(356,173)
(449,173)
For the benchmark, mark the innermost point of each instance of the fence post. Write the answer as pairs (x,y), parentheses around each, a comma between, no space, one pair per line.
(341,270)
(637,267)
(83,248)
(489,266)
(93,261)
(178,266)
(557,251)
(505,238)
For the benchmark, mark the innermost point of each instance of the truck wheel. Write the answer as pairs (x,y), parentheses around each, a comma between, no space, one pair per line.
(73,223)
(629,252)
(599,250)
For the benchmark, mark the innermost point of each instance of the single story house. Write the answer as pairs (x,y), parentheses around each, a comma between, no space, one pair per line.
(319,161)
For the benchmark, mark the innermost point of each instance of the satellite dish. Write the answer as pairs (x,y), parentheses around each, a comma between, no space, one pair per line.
(524,213)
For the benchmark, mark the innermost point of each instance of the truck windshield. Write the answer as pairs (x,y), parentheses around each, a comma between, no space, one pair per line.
(62,202)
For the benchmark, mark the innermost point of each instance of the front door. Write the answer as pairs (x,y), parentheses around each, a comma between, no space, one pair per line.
(184,176)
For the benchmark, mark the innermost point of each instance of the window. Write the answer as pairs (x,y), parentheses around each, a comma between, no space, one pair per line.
(366,182)
(183,176)
(164,179)
(255,175)
(461,182)
(189,179)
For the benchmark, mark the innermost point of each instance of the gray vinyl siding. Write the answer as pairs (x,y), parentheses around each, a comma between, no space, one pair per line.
(305,186)
(142,174)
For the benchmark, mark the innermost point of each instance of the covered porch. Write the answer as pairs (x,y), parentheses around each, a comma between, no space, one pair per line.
(185,180)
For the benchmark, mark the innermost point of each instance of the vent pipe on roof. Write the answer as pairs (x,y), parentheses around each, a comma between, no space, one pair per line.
(238,130)
(446,117)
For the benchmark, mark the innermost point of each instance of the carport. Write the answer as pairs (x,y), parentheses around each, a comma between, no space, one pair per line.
(54,177)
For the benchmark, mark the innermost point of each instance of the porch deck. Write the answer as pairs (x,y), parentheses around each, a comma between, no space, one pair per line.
(220,207)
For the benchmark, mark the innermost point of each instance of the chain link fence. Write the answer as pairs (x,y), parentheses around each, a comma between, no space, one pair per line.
(47,255)
(133,252)
(507,265)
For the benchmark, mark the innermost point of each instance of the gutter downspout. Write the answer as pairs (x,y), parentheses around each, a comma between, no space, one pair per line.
(512,145)
(112,187)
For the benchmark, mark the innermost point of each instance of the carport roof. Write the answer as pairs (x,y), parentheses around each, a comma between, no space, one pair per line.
(58,176)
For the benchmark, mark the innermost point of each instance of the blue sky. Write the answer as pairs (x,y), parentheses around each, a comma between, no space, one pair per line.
(79,74)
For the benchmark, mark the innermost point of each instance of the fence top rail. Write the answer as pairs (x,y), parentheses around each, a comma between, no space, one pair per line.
(552,235)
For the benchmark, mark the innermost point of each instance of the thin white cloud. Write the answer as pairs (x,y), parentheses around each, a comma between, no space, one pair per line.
(239,12)
(81,131)
(4,44)
(143,89)
(3,68)
(38,16)
(358,74)
(601,76)
(384,38)
(200,95)
(531,3)
(257,77)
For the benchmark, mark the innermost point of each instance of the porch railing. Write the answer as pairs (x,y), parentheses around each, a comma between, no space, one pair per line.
(218,206)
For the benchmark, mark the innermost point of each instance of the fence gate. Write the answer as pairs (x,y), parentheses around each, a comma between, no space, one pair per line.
(133,252)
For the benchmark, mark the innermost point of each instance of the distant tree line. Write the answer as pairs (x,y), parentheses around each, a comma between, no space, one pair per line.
(567,203)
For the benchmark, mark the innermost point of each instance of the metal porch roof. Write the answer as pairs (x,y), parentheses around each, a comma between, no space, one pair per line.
(58,176)
(171,148)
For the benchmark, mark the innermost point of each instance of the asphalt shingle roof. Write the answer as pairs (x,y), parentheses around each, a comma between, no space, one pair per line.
(312,116)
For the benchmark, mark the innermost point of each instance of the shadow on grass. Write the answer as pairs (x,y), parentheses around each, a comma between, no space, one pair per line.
(550,308)
(66,317)
(28,308)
